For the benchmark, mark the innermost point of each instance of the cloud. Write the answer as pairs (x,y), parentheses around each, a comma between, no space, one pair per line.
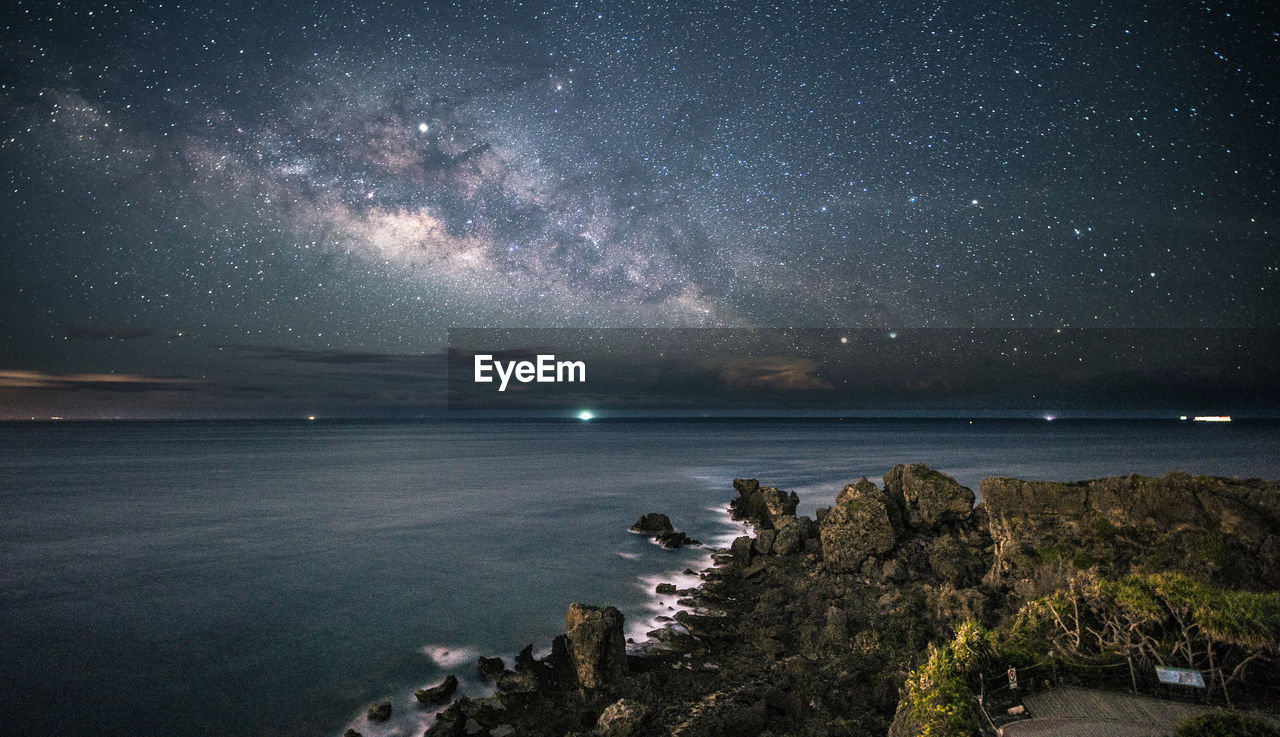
(17,379)
(781,373)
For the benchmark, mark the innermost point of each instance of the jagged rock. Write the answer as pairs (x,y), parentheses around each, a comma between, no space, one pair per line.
(665,588)
(622,718)
(760,505)
(893,571)
(1213,528)
(438,694)
(675,539)
(525,662)
(950,560)
(791,534)
(516,683)
(821,642)
(596,644)
(764,541)
(449,723)
(857,527)
(653,524)
(931,497)
(379,712)
(489,668)
(351,733)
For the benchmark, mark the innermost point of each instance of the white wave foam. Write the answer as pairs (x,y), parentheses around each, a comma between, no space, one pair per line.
(628,556)
(658,609)
(447,656)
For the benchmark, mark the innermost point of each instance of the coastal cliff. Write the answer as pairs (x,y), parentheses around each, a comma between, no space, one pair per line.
(881,615)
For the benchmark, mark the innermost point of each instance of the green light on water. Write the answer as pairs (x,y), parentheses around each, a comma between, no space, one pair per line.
(584,416)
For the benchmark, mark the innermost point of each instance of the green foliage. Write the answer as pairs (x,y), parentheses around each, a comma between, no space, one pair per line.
(939,696)
(1049,553)
(1211,547)
(1163,618)
(1225,724)
(1084,561)
(1103,528)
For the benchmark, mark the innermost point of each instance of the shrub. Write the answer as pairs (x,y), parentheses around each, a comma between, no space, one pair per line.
(1225,724)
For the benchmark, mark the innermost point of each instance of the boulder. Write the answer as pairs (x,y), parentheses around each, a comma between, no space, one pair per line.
(741,550)
(893,571)
(351,733)
(764,541)
(653,524)
(489,668)
(791,534)
(440,693)
(932,498)
(857,527)
(762,506)
(516,683)
(671,540)
(665,588)
(379,712)
(622,718)
(596,644)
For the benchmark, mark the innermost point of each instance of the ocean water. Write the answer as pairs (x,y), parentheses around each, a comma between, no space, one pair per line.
(277,578)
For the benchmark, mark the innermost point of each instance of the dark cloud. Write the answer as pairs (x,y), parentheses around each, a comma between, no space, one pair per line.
(780,373)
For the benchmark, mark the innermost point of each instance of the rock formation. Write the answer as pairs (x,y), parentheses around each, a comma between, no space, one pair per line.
(596,645)
(813,628)
(438,694)
(658,526)
(1215,529)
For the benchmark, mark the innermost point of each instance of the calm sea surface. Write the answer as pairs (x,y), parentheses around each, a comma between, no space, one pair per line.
(229,578)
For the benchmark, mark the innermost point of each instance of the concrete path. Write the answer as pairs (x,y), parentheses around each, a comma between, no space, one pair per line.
(1079,712)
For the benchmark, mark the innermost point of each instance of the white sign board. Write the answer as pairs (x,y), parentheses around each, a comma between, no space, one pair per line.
(1179,676)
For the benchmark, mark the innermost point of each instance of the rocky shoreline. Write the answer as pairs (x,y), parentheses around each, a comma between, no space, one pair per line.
(880,615)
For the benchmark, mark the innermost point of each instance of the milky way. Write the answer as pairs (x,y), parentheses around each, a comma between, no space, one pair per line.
(340,178)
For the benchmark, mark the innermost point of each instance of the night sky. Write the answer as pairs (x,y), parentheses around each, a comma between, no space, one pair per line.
(275,209)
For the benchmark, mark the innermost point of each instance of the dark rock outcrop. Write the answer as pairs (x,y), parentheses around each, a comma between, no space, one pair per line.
(811,628)
(597,647)
(623,718)
(859,526)
(675,539)
(931,498)
(379,712)
(762,506)
(489,668)
(438,694)
(658,526)
(653,524)
(1216,529)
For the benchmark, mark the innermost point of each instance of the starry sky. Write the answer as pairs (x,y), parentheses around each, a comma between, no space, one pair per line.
(246,209)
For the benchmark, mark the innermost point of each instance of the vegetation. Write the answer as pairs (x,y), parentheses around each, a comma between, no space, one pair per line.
(1165,619)
(1225,724)
(940,692)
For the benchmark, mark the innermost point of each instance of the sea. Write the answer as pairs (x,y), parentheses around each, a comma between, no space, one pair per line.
(277,578)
